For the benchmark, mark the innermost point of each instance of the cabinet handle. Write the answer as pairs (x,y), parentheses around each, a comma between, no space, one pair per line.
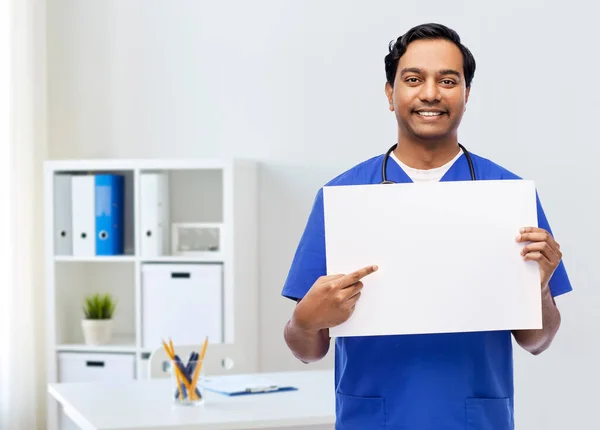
(94,363)
(180,275)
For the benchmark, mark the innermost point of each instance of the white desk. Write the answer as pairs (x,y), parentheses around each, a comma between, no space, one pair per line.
(148,405)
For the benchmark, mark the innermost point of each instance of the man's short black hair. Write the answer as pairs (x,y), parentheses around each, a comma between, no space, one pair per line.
(431,31)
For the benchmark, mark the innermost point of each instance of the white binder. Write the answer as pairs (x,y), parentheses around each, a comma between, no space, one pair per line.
(63,231)
(84,216)
(154,214)
(183,302)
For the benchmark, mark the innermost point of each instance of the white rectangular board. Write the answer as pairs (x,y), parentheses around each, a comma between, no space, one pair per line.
(447,255)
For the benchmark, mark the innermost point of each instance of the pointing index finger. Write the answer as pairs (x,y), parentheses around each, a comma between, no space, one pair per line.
(356,276)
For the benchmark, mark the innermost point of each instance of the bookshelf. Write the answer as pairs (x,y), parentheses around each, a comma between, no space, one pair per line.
(199,191)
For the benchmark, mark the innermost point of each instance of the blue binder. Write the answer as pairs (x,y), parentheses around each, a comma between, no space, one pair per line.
(110,214)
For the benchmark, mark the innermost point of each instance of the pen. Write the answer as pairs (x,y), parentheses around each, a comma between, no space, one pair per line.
(186,370)
(261,389)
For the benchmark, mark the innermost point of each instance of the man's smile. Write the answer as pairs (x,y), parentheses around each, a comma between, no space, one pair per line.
(430,114)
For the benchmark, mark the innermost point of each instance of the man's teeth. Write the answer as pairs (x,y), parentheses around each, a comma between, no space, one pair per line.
(429,113)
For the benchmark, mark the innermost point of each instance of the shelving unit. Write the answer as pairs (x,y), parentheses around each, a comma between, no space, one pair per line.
(98,259)
(205,191)
(118,344)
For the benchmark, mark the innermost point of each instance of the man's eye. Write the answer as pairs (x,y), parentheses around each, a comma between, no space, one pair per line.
(448,82)
(412,80)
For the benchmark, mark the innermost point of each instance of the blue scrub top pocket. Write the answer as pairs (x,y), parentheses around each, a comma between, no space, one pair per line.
(489,414)
(359,413)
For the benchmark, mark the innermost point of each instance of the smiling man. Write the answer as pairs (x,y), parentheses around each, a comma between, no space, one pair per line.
(452,381)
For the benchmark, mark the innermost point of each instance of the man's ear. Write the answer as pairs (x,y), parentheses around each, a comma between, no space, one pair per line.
(389,93)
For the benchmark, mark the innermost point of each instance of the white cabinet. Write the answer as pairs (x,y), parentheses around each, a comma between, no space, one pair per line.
(183,302)
(84,367)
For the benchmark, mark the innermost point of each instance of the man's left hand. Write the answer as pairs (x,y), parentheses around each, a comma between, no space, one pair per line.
(543,249)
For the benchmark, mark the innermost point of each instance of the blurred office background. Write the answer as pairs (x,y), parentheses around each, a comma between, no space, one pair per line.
(299,87)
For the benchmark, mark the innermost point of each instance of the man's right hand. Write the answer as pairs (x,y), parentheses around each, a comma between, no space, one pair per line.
(330,301)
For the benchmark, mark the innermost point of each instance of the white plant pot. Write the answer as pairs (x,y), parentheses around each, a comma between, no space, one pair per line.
(96,332)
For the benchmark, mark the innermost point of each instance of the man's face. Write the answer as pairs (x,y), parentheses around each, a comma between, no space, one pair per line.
(429,94)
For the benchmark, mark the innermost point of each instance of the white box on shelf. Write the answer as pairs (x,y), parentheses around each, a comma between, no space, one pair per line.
(197,239)
(154,214)
(80,367)
(84,215)
(183,302)
(63,223)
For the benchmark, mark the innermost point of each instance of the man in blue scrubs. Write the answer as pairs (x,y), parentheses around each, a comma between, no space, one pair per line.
(456,381)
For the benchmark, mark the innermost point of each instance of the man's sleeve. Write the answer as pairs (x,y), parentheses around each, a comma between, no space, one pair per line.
(559,283)
(309,262)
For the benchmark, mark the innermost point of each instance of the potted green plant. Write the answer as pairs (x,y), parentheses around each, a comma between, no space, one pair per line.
(97,324)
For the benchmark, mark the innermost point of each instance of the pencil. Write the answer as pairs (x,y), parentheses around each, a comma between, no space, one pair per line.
(179,377)
(170,353)
(199,365)
(204,348)
(179,383)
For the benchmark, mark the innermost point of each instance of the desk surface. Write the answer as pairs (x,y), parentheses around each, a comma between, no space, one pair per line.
(147,404)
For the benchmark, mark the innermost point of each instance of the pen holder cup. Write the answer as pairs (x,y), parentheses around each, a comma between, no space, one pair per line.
(186,378)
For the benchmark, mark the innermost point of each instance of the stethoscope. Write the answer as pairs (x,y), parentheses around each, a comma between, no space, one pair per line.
(384,179)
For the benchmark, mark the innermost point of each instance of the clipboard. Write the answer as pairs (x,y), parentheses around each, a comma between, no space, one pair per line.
(240,385)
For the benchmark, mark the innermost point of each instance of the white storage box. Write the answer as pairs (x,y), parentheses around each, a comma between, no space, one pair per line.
(80,367)
(183,302)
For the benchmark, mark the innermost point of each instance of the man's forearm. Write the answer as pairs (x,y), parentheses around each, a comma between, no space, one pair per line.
(537,341)
(306,345)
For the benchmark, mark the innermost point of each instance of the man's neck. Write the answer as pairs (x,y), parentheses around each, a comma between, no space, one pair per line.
(426,155)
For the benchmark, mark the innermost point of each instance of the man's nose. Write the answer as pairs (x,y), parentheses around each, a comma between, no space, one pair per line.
(430,92)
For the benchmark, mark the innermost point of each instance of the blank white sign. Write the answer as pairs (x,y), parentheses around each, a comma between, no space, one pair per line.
(447,256)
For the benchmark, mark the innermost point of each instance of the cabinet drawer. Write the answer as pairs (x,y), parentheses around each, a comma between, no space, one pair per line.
(80,367)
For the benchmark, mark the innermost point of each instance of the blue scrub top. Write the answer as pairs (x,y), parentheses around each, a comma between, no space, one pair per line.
(454,381)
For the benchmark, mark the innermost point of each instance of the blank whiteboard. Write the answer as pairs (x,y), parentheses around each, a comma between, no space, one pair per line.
(447,256)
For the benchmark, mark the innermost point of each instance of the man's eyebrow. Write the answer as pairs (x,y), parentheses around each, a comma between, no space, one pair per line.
(449,72)
(420,71)
(410,70)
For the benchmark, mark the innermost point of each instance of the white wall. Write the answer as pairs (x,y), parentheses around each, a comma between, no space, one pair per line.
(299,86)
